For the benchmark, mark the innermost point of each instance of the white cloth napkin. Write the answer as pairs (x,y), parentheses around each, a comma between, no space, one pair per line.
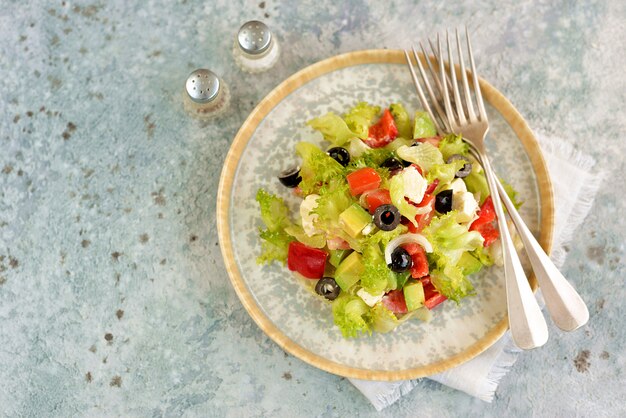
(480,376)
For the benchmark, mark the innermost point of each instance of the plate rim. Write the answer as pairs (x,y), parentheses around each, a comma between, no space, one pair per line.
(266,105)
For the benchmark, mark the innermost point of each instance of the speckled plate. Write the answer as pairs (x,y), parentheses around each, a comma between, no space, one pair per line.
(294,318)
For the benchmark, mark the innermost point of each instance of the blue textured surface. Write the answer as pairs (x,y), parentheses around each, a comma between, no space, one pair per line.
(113,296)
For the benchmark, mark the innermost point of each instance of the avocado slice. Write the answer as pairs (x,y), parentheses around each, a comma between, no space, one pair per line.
(414,295)
(349,271)
(354,219)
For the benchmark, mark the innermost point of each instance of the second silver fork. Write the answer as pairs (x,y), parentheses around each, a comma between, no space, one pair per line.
(566,307)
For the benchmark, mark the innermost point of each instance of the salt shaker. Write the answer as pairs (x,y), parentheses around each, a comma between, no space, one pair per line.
(205,95)
(255,48)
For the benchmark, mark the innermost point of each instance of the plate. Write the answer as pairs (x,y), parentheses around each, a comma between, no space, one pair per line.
(284,309)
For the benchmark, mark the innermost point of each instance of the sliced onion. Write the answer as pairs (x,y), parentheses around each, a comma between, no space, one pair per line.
(406,239)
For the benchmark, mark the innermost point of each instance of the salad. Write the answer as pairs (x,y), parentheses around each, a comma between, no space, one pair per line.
(393,219)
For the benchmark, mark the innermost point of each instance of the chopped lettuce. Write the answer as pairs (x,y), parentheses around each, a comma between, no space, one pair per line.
(274,211)
(451,282)
(317,167)
(402,119)
(425,155)
(398,142)
(334,128)
(512,193)
(453,144)
(351,315)
(376,276)
(356,147)
(274,246)
(371,158)
(275,216)
(315,241)
(444,173)
(334,199)
(396,190)
(450,240)
(360,117)
(423,126)
(383,237)
(383,320)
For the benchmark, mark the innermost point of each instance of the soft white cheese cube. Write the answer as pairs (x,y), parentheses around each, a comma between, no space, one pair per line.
(370,300)
(457,185)
(414,184)
(466,206)
(308,217)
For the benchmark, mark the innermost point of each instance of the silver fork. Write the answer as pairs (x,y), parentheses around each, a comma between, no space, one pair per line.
(566,307)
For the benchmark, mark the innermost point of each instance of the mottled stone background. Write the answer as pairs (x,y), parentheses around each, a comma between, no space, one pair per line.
(113,296)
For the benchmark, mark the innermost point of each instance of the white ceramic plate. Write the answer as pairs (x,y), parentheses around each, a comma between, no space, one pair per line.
(298,321)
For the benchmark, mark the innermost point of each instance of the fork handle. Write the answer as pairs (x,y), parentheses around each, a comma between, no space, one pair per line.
(566,307)
(528,326)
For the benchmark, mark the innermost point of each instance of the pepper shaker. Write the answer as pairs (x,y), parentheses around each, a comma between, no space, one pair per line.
(255,49)
(205,94)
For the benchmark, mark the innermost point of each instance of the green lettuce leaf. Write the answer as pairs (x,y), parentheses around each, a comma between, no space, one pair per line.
(360,117)
(274,211)
(383,320)
(402,119)
(275,216)
(315,241)
(351,315)
(396,190)
(451,282)
(274,246)
(444,173)
(512,193)
(453,144)
(450,240)
(423,126)
(424,155)
(317,168)
(334,128)
(376,277)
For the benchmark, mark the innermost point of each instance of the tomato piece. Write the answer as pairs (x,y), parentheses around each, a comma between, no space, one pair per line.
(432,186)
(395,302)
(424,219)
(420,261)
(431,296)
(418,168)
(486,214)
(434,300)
(383,132)
(309,262)
(485,223)
(488,231)
(377,198)
(362,180)
(433,140)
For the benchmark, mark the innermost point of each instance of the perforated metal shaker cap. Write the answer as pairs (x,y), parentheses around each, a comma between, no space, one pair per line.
(202,85)
(254,37)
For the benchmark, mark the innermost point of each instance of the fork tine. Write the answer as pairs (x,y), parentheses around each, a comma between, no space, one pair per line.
(466,90)
(446,96)
(433,73)
(420,92)
(455,86)
(436,53)
(431,94)
(479,97)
